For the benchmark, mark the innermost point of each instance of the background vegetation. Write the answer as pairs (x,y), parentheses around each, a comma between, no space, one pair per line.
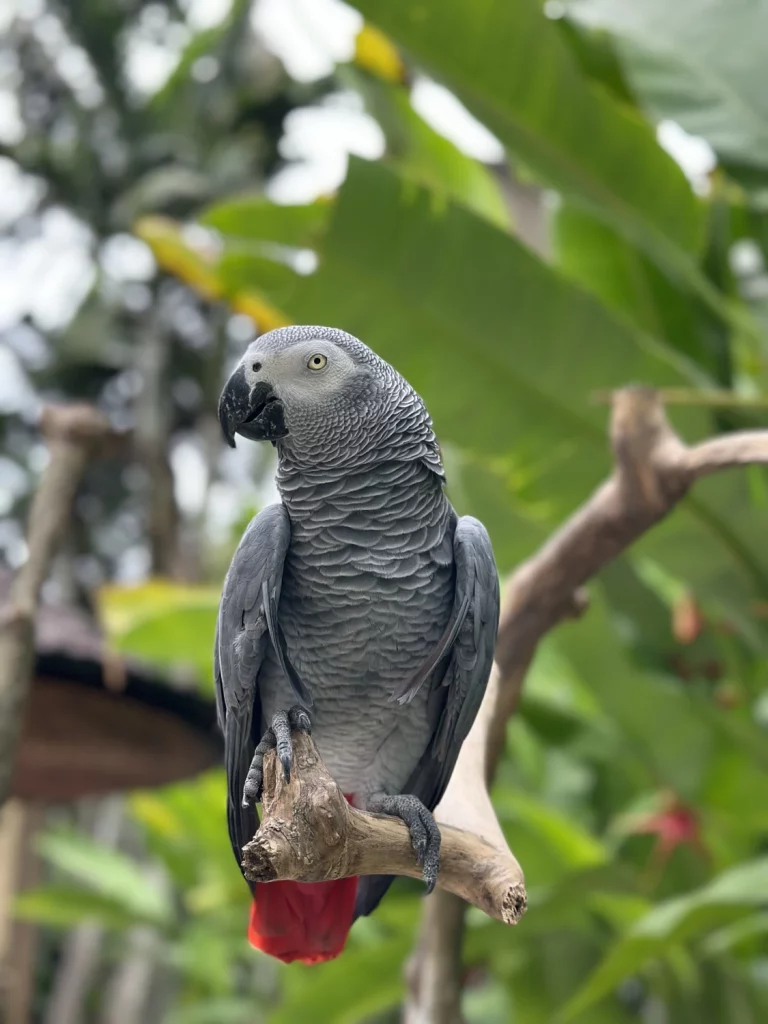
(578,257)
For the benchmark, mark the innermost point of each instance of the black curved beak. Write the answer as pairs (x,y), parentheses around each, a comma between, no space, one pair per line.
(255,413)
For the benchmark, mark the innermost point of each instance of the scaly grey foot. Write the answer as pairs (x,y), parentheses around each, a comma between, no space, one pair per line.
(425,835)
(277,736)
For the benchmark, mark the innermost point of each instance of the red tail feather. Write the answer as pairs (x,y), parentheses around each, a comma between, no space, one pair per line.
(306,921)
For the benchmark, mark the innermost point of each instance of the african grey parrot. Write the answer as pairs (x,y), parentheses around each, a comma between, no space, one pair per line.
(360,605)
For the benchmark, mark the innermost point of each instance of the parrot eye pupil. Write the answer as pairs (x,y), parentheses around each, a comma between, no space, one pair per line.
(257,367)
(317,362)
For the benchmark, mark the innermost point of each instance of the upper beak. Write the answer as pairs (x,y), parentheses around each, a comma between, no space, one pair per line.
(253,412)
(233,404)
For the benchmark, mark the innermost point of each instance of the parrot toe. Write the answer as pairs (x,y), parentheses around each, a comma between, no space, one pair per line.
(255,778)
(425,835)
(277,736)
(281,727)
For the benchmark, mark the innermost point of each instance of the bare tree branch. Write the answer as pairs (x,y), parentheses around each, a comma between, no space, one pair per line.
(310,833)
(653,471)
(72,433)
(151,439)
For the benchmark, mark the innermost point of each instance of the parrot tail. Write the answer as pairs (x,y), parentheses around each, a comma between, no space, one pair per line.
(306,921)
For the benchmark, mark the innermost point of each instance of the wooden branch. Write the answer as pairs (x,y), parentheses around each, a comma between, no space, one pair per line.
(72,433)
(151,437)
(653,471)
(310,833)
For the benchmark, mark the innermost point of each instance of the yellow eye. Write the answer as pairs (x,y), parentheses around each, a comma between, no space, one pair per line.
(317,361)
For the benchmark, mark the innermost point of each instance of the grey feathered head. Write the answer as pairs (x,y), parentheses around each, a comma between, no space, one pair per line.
(324,398)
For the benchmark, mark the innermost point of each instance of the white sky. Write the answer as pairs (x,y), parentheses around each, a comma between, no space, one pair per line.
(309,36)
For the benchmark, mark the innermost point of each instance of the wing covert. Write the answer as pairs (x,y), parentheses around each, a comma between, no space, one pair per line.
(242,634)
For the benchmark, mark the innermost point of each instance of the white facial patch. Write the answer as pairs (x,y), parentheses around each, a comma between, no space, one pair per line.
(304,374)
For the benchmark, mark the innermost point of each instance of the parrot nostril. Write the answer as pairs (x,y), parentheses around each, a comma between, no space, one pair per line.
(257,367)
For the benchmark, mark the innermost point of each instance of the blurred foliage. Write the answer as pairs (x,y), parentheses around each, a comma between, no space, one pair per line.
(633,785)
(163,622)
(102,146)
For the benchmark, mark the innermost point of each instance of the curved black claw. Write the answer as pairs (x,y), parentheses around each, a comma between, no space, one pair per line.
(425,835)
(278,735)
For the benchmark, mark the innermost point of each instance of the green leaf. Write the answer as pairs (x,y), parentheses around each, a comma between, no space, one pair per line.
(701,65)
(110,873)
(555,726)
(247,267)
(361,983)
(596,53)
(597,257)
(212,1011)
(418,152)
(180,636)
(513,69)
(572,844)
(186,828)
(712,541)
(164,622)
(493,489)
(554,970)
(123,608)
(61,906)
(197,265)
(659,720)
(673,922)
(256,218)
(741,933)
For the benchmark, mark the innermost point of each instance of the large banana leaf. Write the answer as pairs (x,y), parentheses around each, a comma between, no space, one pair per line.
(600,259)
(699,64)
(420,153)
(514,70)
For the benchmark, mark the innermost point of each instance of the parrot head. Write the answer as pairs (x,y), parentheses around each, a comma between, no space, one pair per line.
(290,376)
(323,397)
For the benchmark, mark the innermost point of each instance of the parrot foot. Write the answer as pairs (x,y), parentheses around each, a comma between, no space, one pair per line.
(425,835)
(278,735)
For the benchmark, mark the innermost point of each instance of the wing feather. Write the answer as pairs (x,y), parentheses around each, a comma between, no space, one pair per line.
(461,688)
(248,604)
